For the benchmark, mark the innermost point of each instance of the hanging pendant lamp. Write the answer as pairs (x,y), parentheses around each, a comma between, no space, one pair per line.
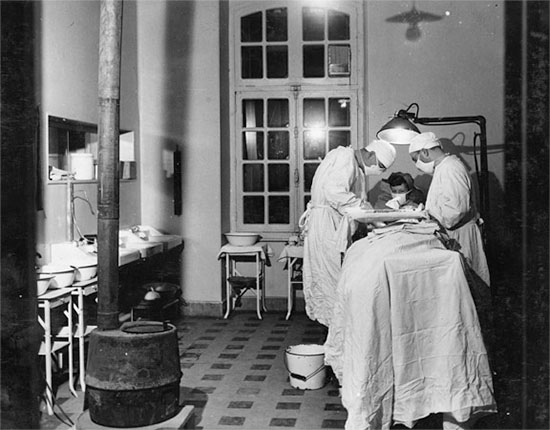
(398,131)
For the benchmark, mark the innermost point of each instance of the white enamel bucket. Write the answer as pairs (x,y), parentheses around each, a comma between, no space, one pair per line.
(306,366)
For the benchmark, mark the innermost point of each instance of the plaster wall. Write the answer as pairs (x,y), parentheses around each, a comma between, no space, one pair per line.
(172,95)
(178,50)
(455,68)
(68,84)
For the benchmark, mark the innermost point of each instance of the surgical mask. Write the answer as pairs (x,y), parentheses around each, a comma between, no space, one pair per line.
(373,170)
(425,167)
(400,198)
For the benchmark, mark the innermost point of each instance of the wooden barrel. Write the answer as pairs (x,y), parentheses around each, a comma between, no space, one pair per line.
(133,375)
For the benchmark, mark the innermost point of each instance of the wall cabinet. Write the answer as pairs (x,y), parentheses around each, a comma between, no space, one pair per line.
(73,148)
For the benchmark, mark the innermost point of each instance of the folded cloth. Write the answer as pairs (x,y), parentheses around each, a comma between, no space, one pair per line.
(426,227)
(291,251)
(265,251)
(58,174)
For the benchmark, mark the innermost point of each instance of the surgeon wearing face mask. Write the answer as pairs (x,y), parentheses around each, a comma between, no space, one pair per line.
(338,184)
(450,200)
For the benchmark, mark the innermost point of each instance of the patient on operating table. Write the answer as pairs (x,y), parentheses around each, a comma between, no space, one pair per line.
(404,194)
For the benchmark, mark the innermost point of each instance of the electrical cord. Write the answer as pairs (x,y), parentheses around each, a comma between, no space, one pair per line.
(478,173)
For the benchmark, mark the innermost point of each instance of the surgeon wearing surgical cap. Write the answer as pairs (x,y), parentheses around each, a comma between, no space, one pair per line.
(450,199)
(339,184)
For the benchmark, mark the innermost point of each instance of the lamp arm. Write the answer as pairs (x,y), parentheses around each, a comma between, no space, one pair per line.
(484,174)
(404,113)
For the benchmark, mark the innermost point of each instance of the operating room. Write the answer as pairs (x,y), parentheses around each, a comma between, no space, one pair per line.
(230,107)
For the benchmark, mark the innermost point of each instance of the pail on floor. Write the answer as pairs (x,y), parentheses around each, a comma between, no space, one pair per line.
(306,366)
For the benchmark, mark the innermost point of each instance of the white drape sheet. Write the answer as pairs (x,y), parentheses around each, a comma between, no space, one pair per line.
(405,339)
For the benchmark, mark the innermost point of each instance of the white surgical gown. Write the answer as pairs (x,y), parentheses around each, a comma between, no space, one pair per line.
(449,201)
(338,184)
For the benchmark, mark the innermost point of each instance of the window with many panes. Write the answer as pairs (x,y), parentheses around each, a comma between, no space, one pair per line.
(296,97)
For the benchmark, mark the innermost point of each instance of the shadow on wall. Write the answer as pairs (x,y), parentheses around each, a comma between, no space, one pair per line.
(178,53)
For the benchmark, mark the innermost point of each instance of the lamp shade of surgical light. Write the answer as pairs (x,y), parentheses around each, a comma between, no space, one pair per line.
(398,131)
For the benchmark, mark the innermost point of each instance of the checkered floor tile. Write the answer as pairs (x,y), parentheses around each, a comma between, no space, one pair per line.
(234,375)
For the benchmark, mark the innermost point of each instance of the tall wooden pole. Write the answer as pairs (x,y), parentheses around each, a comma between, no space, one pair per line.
(108,200)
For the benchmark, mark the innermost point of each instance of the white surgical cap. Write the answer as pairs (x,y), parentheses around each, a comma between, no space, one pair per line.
(385,152)
(423,141)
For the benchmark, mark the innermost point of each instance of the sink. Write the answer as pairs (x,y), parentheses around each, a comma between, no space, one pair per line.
(72,255)
(169,241)
(147,240)
(69,253)
(145,249)
(126,256)
(80,258)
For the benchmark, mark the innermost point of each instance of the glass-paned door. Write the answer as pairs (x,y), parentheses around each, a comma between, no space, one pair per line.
(282,139)
(295,69)
(326,122)
(265,160)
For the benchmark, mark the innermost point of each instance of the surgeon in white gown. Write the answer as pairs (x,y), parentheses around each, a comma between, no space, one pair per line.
(449,199)
(338,184)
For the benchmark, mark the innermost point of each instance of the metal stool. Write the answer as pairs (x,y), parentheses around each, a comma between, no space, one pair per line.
(237,284)
(240,285)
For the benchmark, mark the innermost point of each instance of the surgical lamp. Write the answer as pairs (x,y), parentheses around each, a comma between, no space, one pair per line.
(401,129)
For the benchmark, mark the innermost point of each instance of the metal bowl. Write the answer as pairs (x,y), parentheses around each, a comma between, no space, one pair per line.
(63,275)
(83,272)
(242,239)
(42,283)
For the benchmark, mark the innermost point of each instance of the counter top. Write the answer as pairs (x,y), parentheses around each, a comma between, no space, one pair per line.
(133,248)
(69,254)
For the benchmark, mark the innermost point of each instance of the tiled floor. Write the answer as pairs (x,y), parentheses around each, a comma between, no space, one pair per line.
(234,375)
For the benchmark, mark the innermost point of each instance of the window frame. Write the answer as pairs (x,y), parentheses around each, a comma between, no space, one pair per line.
(240,88)
(354,127)
(237,179)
